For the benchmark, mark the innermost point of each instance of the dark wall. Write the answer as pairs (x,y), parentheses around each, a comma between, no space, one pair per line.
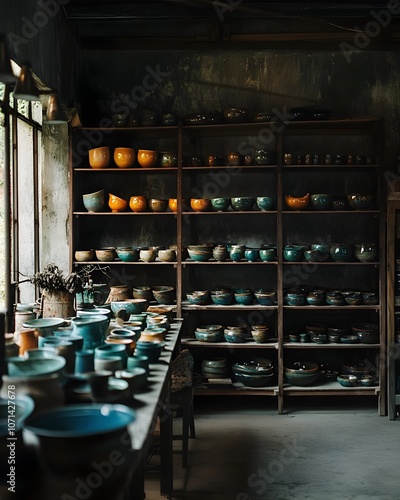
(37,33)
(209,81)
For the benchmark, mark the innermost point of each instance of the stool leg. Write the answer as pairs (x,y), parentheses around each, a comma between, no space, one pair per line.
(185,435)
(191,420)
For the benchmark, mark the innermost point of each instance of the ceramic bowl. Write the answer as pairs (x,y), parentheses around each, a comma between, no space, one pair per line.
(128,254)
(99,157)
(358,201)
(136,378)
(130,306)
(116,203)
(295,299)
(94,202)
(341,252)
(293,253)
(370,298)
(199,204)
(254,366)
(267,254)
(297,203)
(147,254)
(242,203)
(73,421)
(168,159)
(236,252)
(106,254)
(138,362)
(235,115)
(167,255)
(137,203)
(201,253)
(220,253)
(264,157)
(347,380)
(265,297)
(147,158)
(339,204)
(302,377)
(367,333)
(210,336)
(321,201)
(84,255)
(124,157)
(220,204)
(243,296)
(157,204)
(365,252)
(173,204)
(45,326)
(151,349)
(353,298)
(164,294)
(315,298)
(34,367)
(252,254)
(253,380)
(260,336)
(199,298)
(265,203)
(142,292)
(349,339)
(221,297)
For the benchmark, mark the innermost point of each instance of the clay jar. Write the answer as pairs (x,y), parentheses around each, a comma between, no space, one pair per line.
(234,158)
(28,339)
(99,157)
(124,157)
(138,203)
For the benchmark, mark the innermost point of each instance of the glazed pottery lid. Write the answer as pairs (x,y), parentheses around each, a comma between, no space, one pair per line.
(43,323)
(80,420)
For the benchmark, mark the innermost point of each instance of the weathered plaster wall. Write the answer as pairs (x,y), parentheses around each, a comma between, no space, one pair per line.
(208,81)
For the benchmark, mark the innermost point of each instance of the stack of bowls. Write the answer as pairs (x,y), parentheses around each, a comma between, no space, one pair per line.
(367,333)
(357,368)
(260,333)
(302,373)
(209,333)
(265,297)
(215,368)
(235,334)
(258,372)
(335,298)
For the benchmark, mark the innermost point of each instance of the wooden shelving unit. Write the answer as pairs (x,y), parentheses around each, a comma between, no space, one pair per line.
(253,228)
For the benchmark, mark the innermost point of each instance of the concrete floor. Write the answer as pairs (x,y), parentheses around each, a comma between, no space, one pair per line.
(320,449)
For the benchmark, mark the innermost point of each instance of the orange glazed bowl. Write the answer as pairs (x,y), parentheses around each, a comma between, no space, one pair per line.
(138,203)
(199,204)
(116,203)
(99,157)
(297,203)
(147,158)
(124,157)
(173,204)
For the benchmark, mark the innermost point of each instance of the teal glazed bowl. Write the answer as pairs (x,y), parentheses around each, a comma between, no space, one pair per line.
(266,203)
(365,252)
(252,254)
(35,367)
(220,204)
(128,254)
(130,306)
(293,253)
(267,254)
(94,202)
(200,253)
(222,297)
(321,201)
(242,203)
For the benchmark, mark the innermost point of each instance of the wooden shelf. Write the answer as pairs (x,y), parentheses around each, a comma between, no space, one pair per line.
(121,214)
(314,345)
(186,306)
(250,344)
(236,389)
(226,262)
(332,388)
(122,263)
(333,308)
(330,263)
(136,170)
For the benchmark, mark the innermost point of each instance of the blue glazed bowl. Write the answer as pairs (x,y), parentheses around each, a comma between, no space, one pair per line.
(80,420)
(267,254)
(293,253)
(295,299)
(242,203)
(233,336)
(243,296)
(130,306)
(138,362)
(220,204)
(341,252)
(45,326)
(265,297)
(236,252)
(199,297)
(321,201)
(107,350)
(128,254)
(200,253)
(347,380)
(222,298)
(315,298)
(265,203)
(94,202)
(151,349)
(253,380)
(251,254)
(92,329)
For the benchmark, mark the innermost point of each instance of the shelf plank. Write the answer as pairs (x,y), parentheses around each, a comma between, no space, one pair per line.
(228,261)
(120,262)
(234,390)
(322,166)
(227,167)
(330,212)
(314,345)
(233,212)
(123,214)
(113,170)
(332,388)
(191,342)
(333,308)
(330,263)
(186,306)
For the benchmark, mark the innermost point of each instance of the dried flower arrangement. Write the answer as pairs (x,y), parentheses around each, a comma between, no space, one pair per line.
(52,279)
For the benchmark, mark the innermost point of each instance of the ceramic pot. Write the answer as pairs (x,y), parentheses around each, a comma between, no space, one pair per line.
(20,317)
(119,292)
(99,157)
(93,330)
(137,203)
(124,157)
(28,339)
(57,304)
(94,202)
(84,361)
(147,158)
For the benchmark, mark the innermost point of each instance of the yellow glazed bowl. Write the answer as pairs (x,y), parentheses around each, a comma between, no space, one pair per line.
(138,203)
(116,203)
(124,157)
(99,157)
(147,158)
(173,204)
(297,203)
(199,204)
